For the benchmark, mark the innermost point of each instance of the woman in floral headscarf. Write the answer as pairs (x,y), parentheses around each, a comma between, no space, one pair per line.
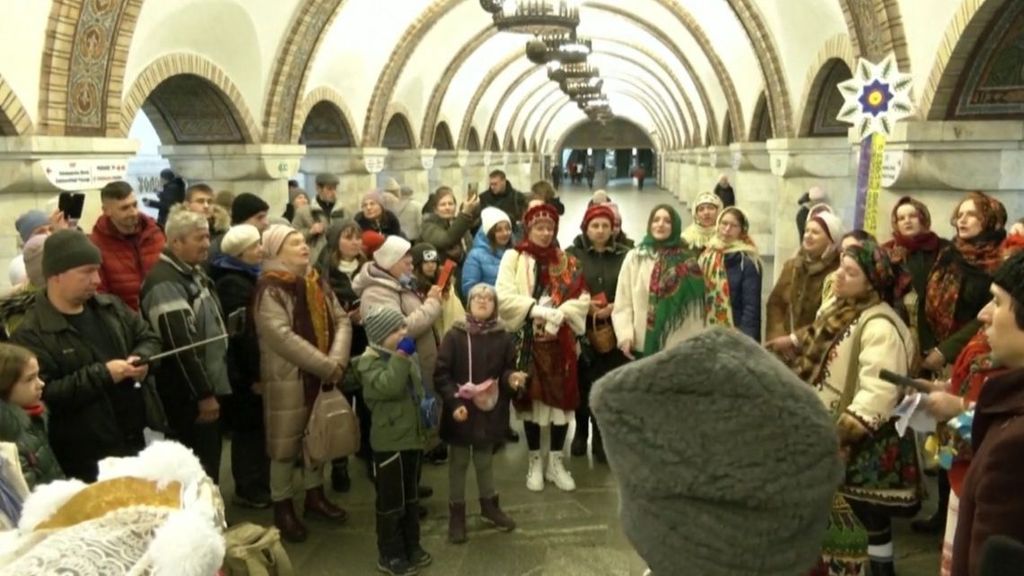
(660,296)
(958,284)
(732,270)
(706,208)
(543,299)
(840,355)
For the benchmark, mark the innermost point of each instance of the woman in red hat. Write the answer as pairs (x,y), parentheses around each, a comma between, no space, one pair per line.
(543,299)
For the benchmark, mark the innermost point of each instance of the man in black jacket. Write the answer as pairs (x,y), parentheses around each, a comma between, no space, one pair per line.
(85,344)
(502,195)
(173,192)
(179,302)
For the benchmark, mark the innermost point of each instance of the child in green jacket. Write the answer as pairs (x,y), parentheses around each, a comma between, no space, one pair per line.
(23,416)
(393,390)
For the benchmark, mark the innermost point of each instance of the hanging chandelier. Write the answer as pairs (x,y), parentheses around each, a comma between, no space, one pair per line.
(563,73)
(561,48)
(578,87)
(537,17)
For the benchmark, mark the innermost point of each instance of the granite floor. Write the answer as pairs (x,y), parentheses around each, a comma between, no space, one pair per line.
(559,534)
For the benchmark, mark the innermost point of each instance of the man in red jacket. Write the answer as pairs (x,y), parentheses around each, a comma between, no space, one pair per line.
(129,240)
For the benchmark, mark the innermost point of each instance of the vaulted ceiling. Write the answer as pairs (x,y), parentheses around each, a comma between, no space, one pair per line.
(253,70)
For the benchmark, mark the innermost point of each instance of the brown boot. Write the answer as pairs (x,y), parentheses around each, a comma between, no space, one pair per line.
(457,522)
(318,504)
(287,523)
(491,512)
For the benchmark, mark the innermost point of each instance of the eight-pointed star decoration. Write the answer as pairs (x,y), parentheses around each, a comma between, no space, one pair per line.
(876,97)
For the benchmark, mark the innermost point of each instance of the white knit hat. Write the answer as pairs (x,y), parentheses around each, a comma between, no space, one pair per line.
(833,225)
(239,238)
(491,217)
(391,251)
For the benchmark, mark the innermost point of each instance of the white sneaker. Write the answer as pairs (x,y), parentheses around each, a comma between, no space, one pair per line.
(535,476)
(557,473)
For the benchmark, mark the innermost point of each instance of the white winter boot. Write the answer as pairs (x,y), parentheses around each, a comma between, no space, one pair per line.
(535,476)
(557,473)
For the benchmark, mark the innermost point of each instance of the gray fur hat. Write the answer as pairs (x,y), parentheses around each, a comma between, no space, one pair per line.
(726,461)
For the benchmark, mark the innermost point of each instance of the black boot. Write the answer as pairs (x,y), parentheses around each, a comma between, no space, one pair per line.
(340,480)
(883,568)
(287,523)
(579,439)
(457,522)
(392,558)
(597,446)
(492,513)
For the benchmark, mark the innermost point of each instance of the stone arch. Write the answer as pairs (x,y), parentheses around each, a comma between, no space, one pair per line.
(837,47)
(433,108)
(442,137)
(533,146)
(283,110)
(223,110)
(398,133)
(493,144)
(761,126)
(522,144)
(14,119)
(965,33)
(661,104)
(325,127)
(316,97)
(825,101)
(515,56)
(876,28)
(560,142)
(83,65)
(728,134)
(473,140)
(767,53)
(709,136)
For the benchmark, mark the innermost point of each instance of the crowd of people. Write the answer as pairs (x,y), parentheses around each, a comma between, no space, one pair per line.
(472,307)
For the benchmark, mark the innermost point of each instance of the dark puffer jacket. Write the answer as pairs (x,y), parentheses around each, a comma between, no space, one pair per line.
(494,356)
(93,416)
(29,433)
(600,269)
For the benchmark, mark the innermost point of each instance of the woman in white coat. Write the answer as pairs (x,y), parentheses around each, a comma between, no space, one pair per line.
(660,298)
(543,299)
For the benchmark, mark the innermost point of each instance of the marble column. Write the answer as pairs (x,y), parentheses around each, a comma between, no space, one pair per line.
(411,168)
(756,187)
(29,168)
(448,171)
(800,164)
(687,177)
(475,169)
(937,162)
(356,169)
(261,169)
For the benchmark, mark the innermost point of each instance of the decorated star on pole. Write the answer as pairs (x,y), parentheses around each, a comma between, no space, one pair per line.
(876,97)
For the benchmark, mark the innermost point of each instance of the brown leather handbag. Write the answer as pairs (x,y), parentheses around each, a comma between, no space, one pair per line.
(601,335)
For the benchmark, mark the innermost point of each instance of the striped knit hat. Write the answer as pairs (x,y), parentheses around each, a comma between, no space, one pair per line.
(381,322)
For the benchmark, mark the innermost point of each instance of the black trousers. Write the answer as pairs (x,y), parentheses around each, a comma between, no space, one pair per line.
(250,466)
(591,371)
(398,521)
(202,438)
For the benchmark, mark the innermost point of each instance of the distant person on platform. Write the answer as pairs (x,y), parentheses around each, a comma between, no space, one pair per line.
(556,175)
(724,191)
(129,240)
(502,195)
(172,192)
(813,196)
(591,174)
(640,174)
(327,197)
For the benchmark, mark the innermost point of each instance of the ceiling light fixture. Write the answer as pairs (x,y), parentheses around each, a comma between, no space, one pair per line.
(537,17)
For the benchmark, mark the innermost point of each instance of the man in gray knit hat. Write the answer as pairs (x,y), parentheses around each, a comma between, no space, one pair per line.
(86,343)
(726,461)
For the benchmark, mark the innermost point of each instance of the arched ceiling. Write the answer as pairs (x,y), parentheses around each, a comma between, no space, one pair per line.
(676,68)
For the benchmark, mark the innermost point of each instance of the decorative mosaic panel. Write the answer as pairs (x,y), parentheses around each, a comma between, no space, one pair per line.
(89,72)
(994,86)
(830,101)
(316,20)
(443,137)
(195,111)
(397,135)
(325,127)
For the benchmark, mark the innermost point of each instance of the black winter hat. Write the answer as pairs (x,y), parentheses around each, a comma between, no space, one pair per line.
(423,252)
(67,249)
(1010,277)
(245,206)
